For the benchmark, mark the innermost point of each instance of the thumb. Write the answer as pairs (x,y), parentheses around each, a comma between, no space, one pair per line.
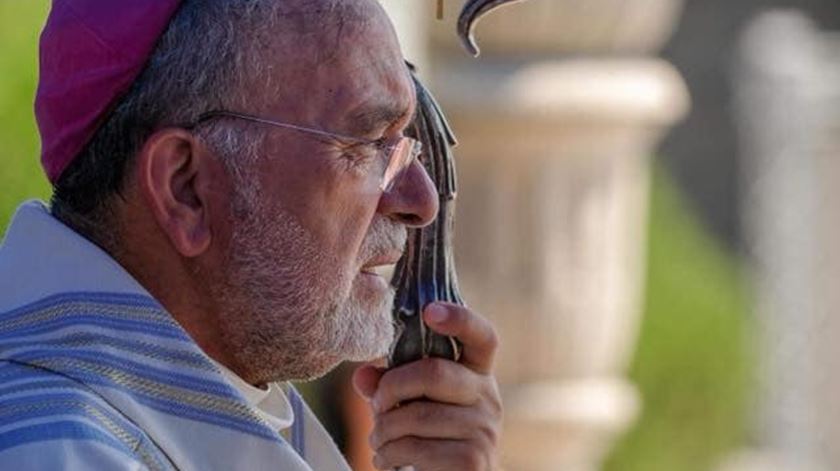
(366,380)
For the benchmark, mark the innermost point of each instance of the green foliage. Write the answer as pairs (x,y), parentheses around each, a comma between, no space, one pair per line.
(20,172)
(692,363)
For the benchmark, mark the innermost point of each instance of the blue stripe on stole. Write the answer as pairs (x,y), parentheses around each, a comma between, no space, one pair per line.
(10,371)
(163,405)
(107,299)
(37,384)
(257,429)
(64,404)
(298,426)
(61,398)
(103,310)
(76,340)
(147,372)
(98,309)
(118,299)
(181,409)
(60,430)
(74,320)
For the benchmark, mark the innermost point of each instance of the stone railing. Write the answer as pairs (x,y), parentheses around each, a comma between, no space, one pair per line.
(788,82)
(557,121)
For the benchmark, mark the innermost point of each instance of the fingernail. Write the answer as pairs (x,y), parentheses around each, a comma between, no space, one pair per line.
(436,313)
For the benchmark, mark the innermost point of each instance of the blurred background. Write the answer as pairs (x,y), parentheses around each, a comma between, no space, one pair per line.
(647,210)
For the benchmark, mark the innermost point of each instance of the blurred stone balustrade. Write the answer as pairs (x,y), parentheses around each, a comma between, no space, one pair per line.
(568,27)
(788,82)
(557,123)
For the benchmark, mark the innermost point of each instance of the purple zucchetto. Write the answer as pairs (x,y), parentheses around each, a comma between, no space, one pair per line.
(91,52)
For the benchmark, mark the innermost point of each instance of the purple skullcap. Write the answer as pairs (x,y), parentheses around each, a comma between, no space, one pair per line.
(91,52)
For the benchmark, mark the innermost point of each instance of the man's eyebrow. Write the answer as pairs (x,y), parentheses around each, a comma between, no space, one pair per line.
(368,119)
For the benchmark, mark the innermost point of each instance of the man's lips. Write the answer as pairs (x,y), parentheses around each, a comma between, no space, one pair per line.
(381,265)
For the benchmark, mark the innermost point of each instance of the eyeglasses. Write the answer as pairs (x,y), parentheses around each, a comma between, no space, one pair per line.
(399,155)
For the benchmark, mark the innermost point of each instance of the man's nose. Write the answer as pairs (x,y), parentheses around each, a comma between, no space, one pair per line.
(413,200)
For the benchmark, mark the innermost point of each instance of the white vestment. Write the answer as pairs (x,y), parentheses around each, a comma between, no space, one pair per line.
(96,375)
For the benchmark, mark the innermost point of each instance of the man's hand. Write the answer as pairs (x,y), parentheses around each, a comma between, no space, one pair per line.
(435,414)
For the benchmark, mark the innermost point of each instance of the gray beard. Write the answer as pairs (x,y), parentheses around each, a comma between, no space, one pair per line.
(287,311)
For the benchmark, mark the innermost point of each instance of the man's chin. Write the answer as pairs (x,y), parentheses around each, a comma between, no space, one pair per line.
(321,368)
(370,346)
(381,351)
(360,329)
(370,328)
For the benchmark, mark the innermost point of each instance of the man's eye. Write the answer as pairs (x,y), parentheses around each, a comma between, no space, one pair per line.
(362,153)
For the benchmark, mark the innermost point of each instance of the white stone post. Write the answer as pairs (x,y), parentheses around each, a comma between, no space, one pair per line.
(553,169)
(788,81)
(554,165)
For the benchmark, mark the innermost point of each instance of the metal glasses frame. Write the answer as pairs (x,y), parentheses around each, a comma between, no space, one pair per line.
(399,154)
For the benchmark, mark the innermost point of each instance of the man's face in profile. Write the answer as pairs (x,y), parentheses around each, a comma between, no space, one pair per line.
(309,221)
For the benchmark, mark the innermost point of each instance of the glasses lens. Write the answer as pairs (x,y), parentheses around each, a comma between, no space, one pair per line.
(402,155)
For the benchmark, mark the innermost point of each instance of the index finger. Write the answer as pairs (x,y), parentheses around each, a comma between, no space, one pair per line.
(476,334)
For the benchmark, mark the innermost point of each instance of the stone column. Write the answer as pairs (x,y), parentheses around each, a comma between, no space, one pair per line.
(557,123)
(788,85)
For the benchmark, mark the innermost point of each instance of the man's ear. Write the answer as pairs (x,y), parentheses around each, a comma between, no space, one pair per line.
(174,172)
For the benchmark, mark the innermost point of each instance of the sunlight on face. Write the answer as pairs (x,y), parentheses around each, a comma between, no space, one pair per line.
(290,310)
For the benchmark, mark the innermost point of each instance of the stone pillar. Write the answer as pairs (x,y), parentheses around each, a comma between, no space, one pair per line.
(557,122)
(788,82)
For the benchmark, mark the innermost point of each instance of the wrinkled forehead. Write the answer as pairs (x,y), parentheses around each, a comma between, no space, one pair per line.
(350,61)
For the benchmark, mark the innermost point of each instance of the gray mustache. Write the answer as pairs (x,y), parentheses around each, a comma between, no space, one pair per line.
(385,236)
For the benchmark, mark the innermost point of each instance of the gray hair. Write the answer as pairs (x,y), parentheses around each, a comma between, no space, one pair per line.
(210,54)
